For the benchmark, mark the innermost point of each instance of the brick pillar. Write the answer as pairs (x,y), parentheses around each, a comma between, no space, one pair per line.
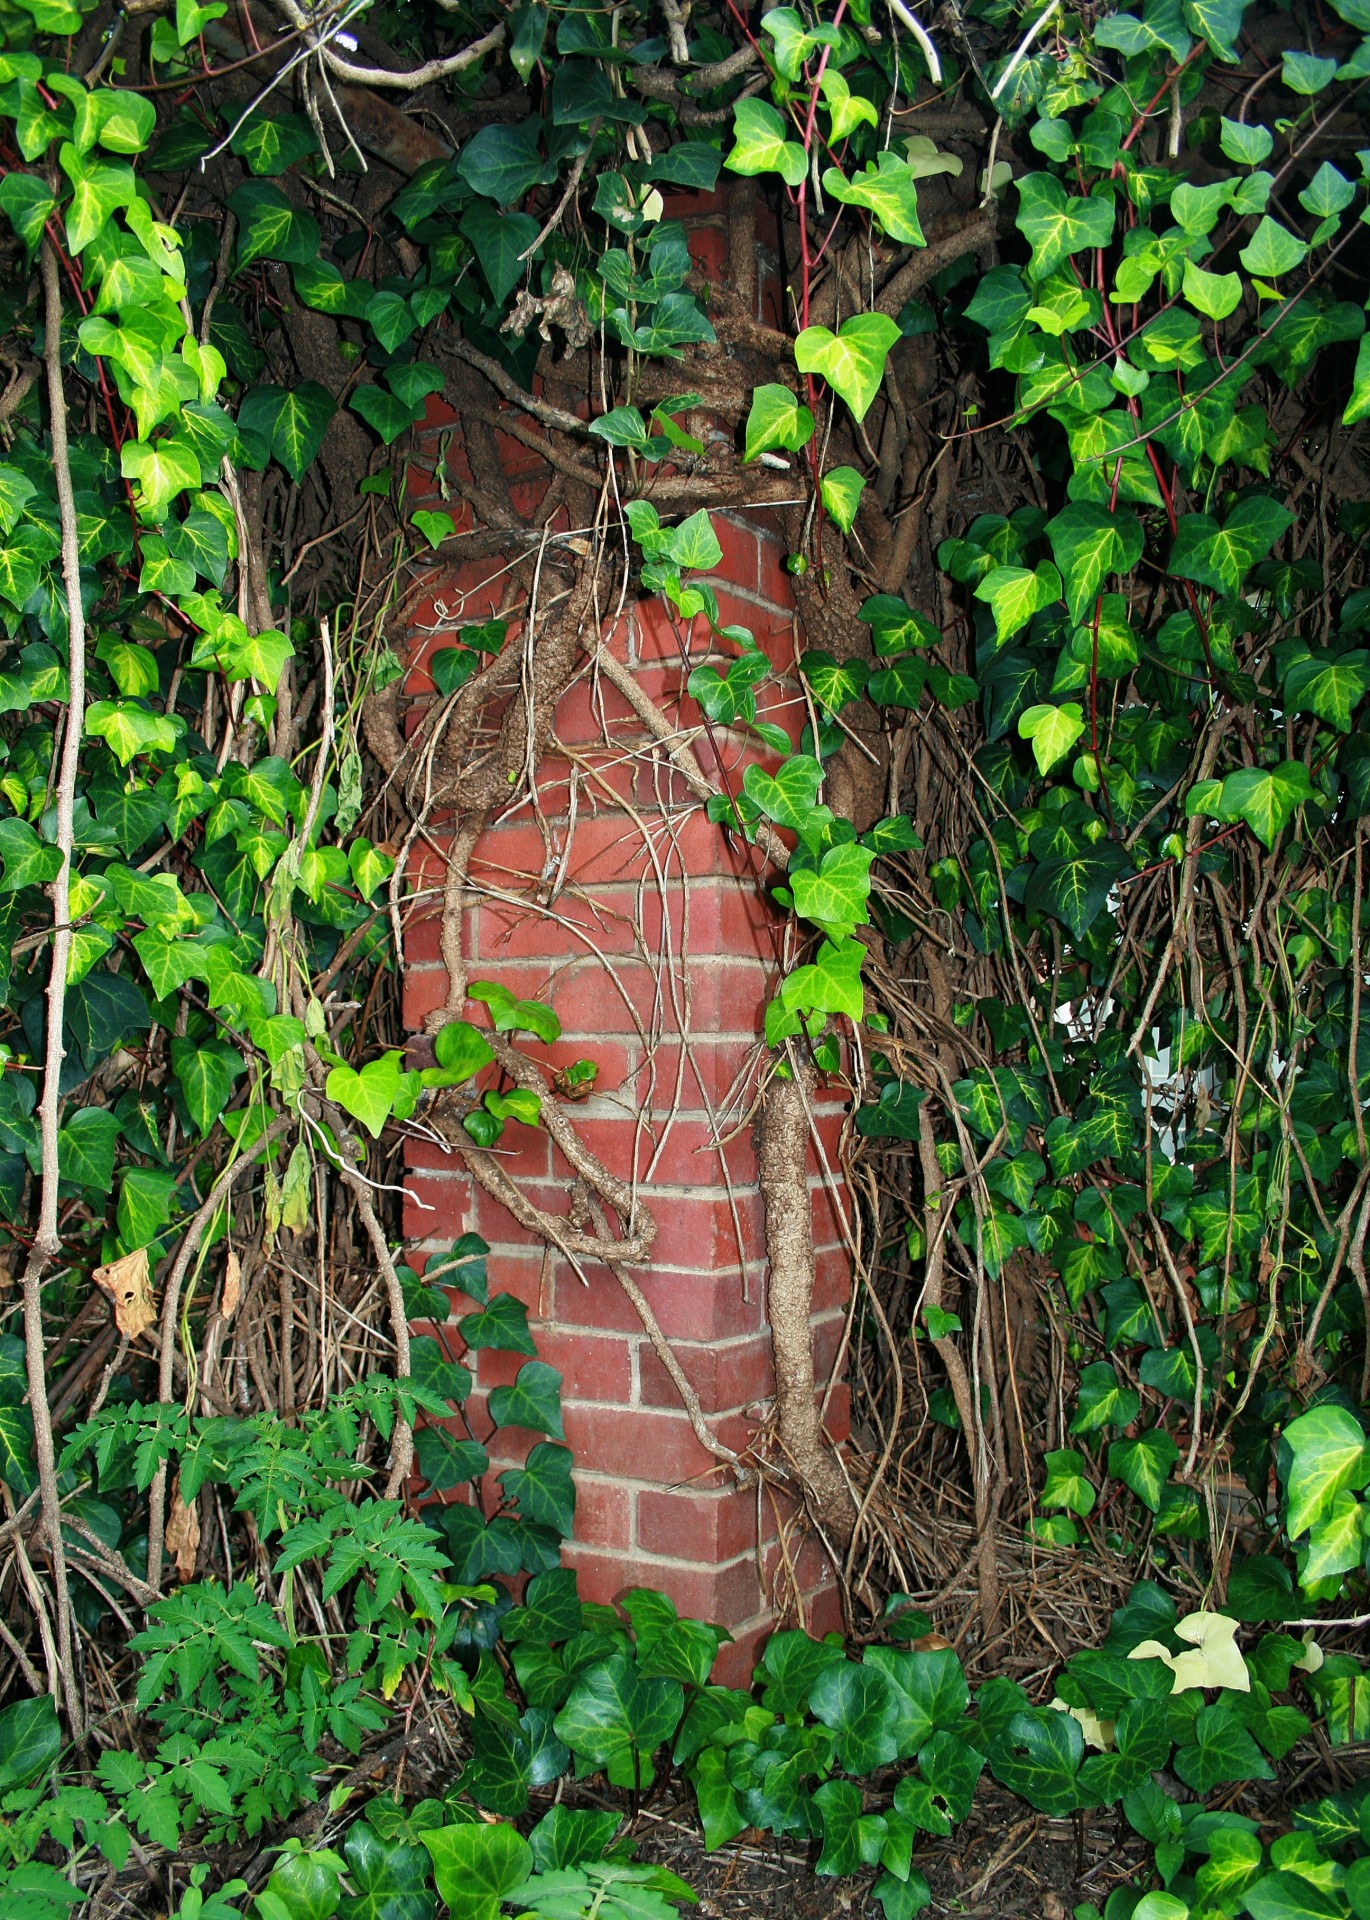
(619,903)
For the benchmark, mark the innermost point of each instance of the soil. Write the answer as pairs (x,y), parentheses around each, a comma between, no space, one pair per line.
(999,1865)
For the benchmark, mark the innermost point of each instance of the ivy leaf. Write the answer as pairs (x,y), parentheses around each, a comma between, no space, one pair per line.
(760,144)
(370,1095)
(1272,250)
(503,163)
(1102,1401)
(1217,22)
(861,1705)
(1221,1751)
(300,427)
(789,795)
(1074,888)
(840,490)
(1329,685)
(319,284)
(543,1488)
(1327,1455)
(28,862)
(1053,731)
(1144,1464)
(1286,1895)
(1066,1485)
(96,191)
(205,1075)
(1038,1755)
(27,201)
(533,1400)
(1058,225)
(1266,800)
(501,1325)
(391,1878)
(1015,595)
(161,470)
(271,142)
(776,419)
(146,1201)
(1089,543)
(1220,557)
(886,187)
(1215,295)
(852,360)
(834,897)
(131,730)
(475,1865)
(614,1717)
(270,228)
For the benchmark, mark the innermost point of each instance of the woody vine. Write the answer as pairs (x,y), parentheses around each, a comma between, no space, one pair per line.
(1071,846)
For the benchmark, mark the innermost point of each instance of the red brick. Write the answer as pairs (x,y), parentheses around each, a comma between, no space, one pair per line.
(829,1331)
(607,921)
(803,1563)
(726,1376)
(739,565)
(823,1611)
(709,251)
(423,992)
(660,635)
(710,1067)
(737,1659)
(592,1365)
(703,1302)
(643,1444)
(714,1594)
(828,1212)
(604,1512)
(703,1526)
(773,582)
(832,1278)
(726,996)
(676,1152)
(692,205)
(837,1413)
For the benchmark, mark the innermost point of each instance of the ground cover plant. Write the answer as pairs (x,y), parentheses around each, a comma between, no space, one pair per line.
(1061,407)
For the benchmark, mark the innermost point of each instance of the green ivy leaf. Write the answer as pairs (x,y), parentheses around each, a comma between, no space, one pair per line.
(835,896)
(390,1876)
(887,188)
(776,419)
(760,144)
(270,228)
(1058,225)
(616,1720)
(1266,799)
(840,490)
(852,360)
(862,1706)
(1102,1401)
(476,1865)
(1221,557)
(1066,1484)
(1144,1464)
(1074,888)
(1272,250)
(1327,1455)
(533,1400)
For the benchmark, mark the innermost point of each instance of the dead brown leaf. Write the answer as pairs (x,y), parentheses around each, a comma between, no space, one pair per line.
(233,1286)
(182,1533)
(129,1285)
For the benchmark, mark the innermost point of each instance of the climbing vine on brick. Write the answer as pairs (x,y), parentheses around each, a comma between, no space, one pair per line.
(1042,339)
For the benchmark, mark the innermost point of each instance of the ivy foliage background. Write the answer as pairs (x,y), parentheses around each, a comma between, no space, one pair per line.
(1064,427)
